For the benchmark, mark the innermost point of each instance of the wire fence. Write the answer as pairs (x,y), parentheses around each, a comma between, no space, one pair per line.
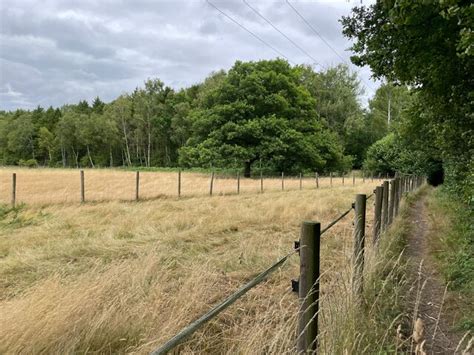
(47,186)
(309,249)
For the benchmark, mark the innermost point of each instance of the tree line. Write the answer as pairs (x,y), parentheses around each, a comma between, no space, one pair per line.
(266,113)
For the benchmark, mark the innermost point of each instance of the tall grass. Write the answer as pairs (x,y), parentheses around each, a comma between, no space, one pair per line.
(49,186)
(123,277)
(452,244)
(117,277)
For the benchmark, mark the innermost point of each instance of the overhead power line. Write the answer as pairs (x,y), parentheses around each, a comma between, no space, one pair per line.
(250,32)
(281,32)
(324,40)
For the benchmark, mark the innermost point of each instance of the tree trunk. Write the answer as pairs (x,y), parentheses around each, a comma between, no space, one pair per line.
(63,156)
(139,158)
(76,157)
(89,155)
(149,145)
(125,135)
(167,155)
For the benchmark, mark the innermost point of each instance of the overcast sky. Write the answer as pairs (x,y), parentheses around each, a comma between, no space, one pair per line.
(54,52)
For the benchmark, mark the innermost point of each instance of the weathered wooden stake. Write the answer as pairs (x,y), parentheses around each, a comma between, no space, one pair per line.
(261,182)
(377,213)
(359,241)
(397,197)
(137,187)
(238,183)
(353,179)
(391,202)
(13,190)
(343,178)
(317,180)
(363,177)
(83,192)
(211,185)
(301,182)
(282,180)
(179,183)
(385,206)
(310,250)
(330,178)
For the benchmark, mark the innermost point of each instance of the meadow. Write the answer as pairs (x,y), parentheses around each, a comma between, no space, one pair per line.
(45,186)
(117,276)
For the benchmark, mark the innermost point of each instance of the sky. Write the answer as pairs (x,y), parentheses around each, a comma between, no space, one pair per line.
(55,52)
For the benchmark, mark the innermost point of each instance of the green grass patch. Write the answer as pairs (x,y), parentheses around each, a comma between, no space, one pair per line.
(452,244)
(386,288)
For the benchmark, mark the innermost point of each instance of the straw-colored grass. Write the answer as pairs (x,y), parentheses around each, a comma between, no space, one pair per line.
(123,277)
(45,186)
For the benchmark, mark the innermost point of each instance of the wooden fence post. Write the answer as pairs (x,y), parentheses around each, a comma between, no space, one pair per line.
(83,192)
(179,183)
(330,178)
(137,187)
(282,180)
(397,195)
(363,177)
(211,185)
(238,182)
(353,179)
(317,180)
(385,206)
(377,214)
(261,181)
(13,190)
(301,182)
(310,249)
(391,202)
(342,178)
(359,241)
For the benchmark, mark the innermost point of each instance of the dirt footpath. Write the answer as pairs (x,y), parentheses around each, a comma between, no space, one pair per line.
(428,294)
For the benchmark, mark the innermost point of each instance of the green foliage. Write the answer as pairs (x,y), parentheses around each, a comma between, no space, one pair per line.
(283,117)
(260,111)
(381,155)
(428,45)
(336,92)
(29,163)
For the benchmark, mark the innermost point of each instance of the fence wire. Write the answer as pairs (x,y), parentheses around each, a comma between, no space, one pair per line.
(191,328)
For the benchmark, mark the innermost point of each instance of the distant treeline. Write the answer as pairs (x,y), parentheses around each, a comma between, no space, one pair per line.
(267,113)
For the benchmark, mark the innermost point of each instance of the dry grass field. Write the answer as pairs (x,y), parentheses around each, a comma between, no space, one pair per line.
(123,277)
(45,186)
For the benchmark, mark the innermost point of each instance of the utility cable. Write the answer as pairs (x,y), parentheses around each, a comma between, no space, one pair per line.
(282,33)
(250,32)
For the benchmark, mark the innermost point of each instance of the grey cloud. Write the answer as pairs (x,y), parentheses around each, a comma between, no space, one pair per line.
(55,52)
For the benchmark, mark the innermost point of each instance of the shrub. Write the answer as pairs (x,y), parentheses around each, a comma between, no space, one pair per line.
(29,163)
